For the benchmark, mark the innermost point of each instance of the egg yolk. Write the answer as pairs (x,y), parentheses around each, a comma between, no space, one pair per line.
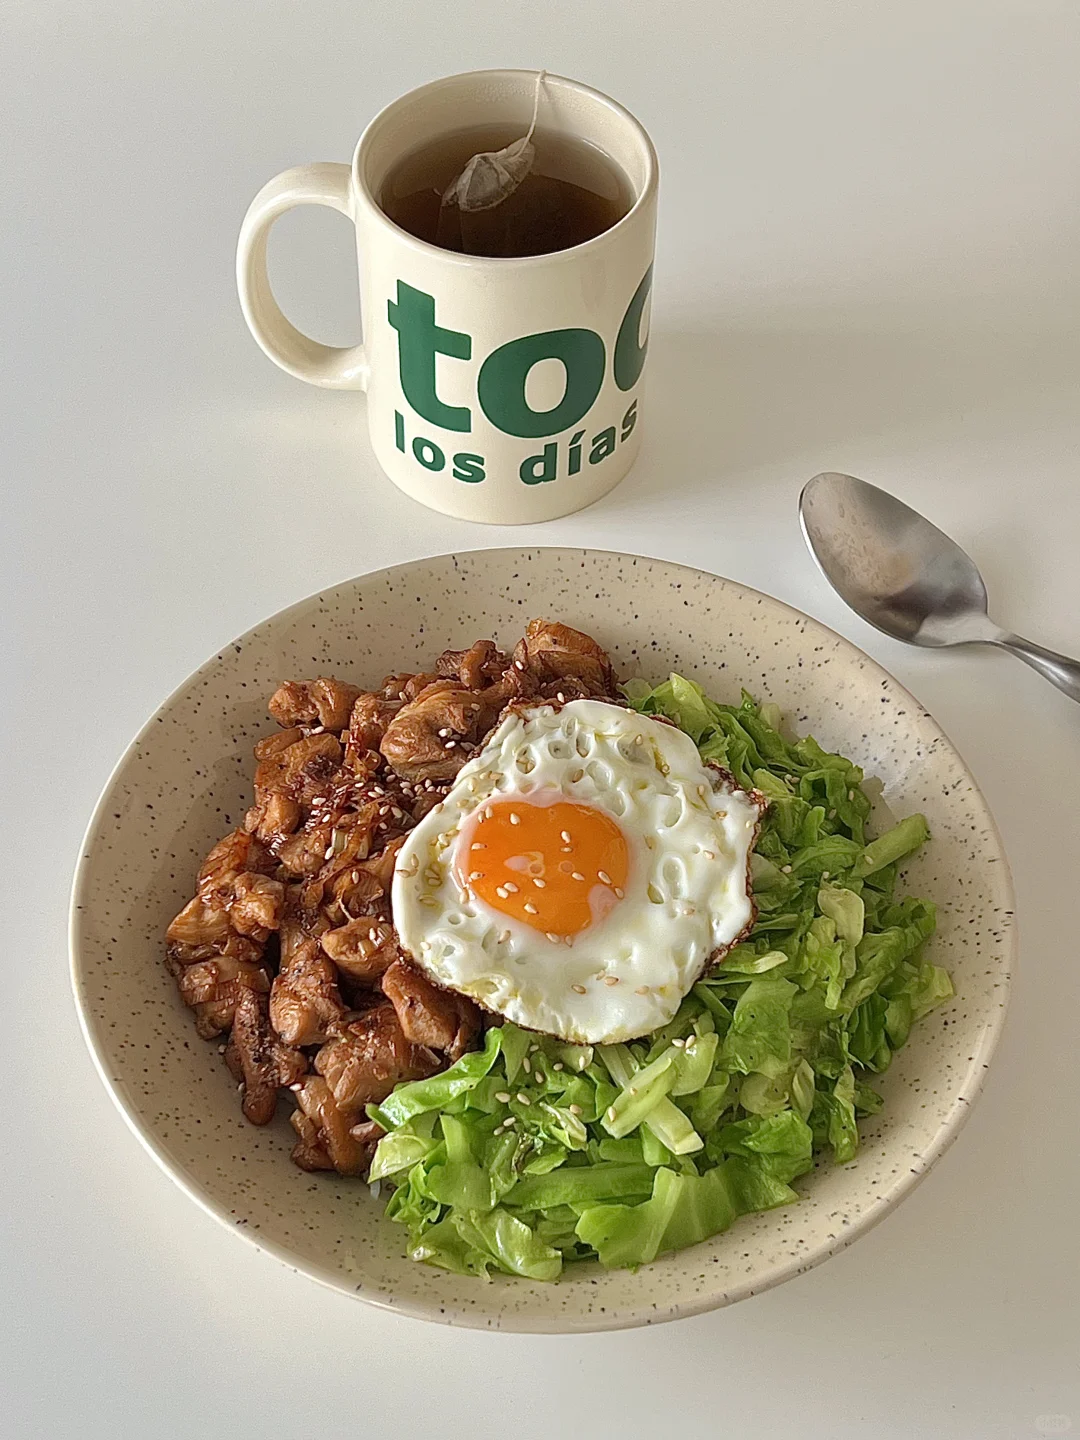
(545,862)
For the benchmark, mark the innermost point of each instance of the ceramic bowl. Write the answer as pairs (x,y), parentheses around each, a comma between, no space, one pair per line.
(186,780)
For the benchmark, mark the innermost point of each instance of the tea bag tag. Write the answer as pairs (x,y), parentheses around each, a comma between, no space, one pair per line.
(492,176)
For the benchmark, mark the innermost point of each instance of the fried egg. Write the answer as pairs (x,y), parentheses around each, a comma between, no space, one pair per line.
(581,874)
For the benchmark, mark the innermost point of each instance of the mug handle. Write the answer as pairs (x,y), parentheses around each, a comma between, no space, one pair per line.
(334,367)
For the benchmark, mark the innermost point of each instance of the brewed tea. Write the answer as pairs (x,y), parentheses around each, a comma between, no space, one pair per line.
(572,193)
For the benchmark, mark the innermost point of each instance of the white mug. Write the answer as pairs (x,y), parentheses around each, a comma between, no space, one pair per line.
(458,416)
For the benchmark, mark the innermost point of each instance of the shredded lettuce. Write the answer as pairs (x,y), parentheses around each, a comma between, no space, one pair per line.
(623,1152)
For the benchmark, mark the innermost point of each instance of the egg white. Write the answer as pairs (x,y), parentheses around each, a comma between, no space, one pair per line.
(686,897)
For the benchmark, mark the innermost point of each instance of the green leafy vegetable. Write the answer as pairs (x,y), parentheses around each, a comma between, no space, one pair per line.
(623,1152)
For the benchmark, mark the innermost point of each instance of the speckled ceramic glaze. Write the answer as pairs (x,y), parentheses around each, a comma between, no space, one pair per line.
(187,779)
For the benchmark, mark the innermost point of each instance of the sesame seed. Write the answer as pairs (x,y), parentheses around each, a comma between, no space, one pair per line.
(851,794)
(611,979)
(476,845)
(526,1064)
(832,814)
(522,1098)
(619,894)
(503,1097)
(785,869)
(566,836)
(514,818)
(538,1077)
(221,1049)
(578,989)
(504,937)
(558,1065)
(444,732)
(373,935)
(488,813)
(530,909)
(603,877)
(475,874)
(678,1043)
(576,1110)
(450,744)
(555,939)
(510,1122)
(291,1087)
(566,849)
(510,888)
(502,892)
(498,1130)
(612,1113)
(533,1049)
(576,875)
(825,874)
(642,990)
(540,884)
(709,854)
(519,665)
(560,697)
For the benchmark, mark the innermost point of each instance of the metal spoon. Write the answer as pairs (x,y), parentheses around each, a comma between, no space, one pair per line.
(907,578)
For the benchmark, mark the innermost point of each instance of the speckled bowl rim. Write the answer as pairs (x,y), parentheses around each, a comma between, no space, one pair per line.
(478,1318)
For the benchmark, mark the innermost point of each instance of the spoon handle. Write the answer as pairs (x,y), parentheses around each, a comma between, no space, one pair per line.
(1058,669)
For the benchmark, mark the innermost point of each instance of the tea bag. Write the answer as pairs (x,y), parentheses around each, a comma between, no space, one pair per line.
(486,183)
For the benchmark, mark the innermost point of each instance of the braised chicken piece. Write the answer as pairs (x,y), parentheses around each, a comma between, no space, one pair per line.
(322,702)
(304,853)
(214,988)
(305,999)
(432,737)
(430,1016)
(237,854)
(364,949)
(325,1140)
(273,818)
(298,769)
(368,1133)
(255,904)
(482,664)
(368,1056)
(415,683)
(202,929)
(367,725)
(259,1060)
(554,652)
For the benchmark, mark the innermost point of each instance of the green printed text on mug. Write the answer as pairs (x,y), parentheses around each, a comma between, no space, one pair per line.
(547,464)
(501,387)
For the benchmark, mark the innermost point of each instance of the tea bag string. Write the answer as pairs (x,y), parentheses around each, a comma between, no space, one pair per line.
(540,78)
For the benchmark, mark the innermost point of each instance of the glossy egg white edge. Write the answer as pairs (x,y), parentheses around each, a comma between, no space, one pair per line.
(690,834)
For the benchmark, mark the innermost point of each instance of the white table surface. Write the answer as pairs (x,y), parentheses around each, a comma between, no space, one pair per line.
(868,262)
